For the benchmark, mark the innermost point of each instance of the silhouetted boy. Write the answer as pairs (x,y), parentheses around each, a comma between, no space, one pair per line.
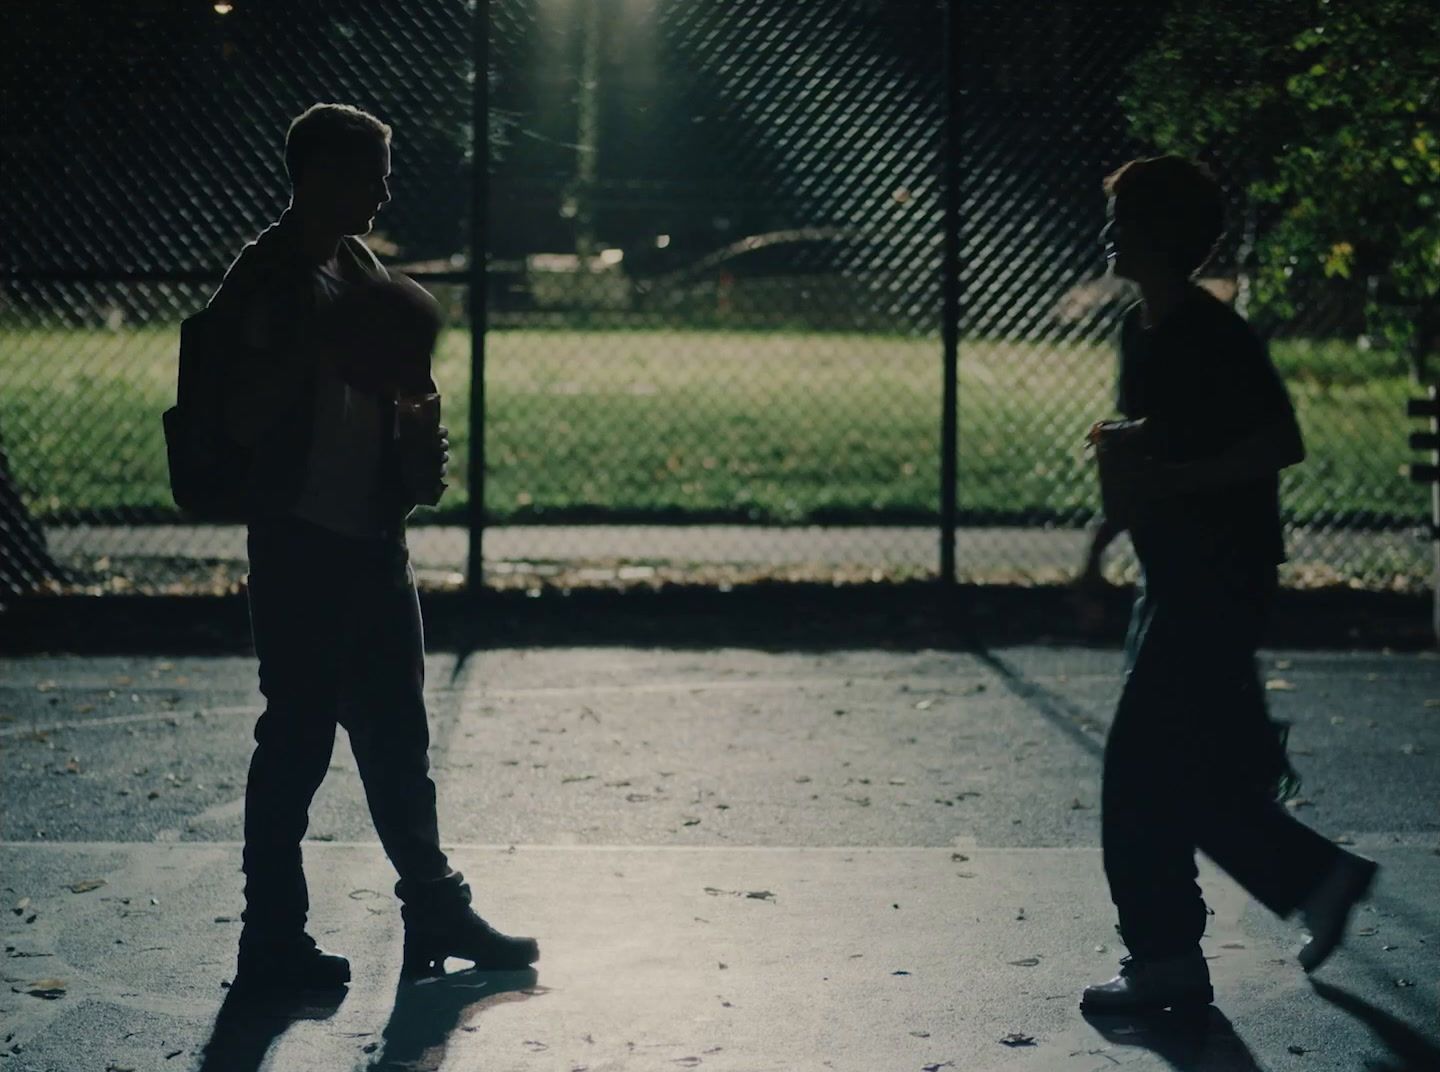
(332,596)
(1193,760)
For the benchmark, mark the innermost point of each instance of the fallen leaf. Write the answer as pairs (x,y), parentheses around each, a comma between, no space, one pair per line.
(576,778)
(1282,664)
(1296,803)
(86,885)
(1298,1051)
(924,705)
(1076,805)
(49,989)
(20,906)
(1279,684)
(1026,962)
(958,857)
(1233,945)
(899,973)
(1017,1039)
(1404,983)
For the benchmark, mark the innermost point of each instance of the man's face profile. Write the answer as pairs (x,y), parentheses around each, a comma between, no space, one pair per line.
(354,187)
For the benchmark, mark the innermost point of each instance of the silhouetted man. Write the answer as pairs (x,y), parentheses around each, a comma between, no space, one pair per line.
(1193,760)
(332,596)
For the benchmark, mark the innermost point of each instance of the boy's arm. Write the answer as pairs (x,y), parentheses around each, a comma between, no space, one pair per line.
(1253,421)
(1272,447)
(1101,538)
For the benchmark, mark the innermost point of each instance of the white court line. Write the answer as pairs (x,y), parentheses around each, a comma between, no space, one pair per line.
(965,844)
(479,694)
(121,720)
(838,681)
(1374,841)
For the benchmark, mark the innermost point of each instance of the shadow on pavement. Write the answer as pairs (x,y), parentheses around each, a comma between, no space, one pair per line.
(1411,1049)
(247,1026)
(427,1012)
(1195,1041)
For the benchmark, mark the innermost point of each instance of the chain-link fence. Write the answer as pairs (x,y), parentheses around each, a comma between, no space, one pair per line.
(715,239)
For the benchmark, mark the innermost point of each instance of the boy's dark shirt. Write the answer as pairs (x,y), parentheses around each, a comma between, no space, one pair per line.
(1204,380)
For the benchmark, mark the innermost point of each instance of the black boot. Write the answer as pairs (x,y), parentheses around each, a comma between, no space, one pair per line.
(290,963)
(440,923)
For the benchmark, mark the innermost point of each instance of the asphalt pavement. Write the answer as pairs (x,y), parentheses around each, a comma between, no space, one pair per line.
(734,859)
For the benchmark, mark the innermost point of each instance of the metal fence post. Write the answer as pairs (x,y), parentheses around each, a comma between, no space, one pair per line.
(950,300)
(479,206)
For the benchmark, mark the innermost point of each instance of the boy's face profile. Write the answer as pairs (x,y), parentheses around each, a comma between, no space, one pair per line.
(351,188)
(1131,247)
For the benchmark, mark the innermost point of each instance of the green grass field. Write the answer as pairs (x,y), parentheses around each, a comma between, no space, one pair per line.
(691,425)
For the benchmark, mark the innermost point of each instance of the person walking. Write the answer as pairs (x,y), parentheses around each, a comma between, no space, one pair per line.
(1193,760)
(333,607)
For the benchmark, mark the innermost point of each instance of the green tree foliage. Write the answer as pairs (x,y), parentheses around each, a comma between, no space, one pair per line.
(1327,112)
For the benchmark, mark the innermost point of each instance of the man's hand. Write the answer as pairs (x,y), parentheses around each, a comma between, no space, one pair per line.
(424,465)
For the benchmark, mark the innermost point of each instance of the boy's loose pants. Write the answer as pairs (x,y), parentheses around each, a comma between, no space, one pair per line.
(1191,762)
(337,629)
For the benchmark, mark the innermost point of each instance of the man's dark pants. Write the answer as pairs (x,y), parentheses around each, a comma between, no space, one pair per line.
(1192,762)
(337,629)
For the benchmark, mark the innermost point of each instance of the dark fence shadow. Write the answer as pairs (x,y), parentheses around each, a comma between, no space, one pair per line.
(1410,1050)
(1195,1041)
(247,1026)
(428,1011)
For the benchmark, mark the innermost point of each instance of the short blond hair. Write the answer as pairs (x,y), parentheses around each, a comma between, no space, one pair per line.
(330,129)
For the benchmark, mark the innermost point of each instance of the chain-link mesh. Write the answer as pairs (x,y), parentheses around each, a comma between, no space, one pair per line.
(714,236)
(724,222)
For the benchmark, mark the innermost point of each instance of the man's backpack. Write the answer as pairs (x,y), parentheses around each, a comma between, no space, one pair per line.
(209,471)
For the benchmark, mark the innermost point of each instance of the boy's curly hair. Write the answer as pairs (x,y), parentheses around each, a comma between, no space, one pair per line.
(1178,200)
(330,129)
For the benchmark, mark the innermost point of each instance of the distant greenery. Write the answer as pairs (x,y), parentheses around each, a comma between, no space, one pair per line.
(705,425)
(1328,112)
